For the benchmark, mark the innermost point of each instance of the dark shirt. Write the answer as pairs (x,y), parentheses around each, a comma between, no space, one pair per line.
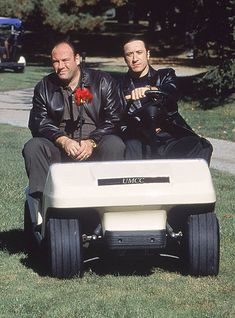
(74,116)
(140,81)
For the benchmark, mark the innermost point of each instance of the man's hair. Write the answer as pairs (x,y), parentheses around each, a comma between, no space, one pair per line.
(65,42)
(134,38)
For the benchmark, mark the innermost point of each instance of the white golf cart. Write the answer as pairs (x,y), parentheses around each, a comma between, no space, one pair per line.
(126,205)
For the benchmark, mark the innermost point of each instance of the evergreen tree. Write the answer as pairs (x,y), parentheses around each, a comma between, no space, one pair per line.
(61,15)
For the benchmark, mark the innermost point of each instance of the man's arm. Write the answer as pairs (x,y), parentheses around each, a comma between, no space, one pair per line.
(139,92)
(111,109)
(41,122)
(166,81)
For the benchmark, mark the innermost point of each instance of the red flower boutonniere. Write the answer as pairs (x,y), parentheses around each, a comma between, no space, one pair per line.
(83,96)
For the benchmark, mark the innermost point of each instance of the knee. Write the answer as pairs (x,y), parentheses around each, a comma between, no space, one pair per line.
(133,143)
(31,147)
(113,142)
(37,147)
(134,149)
(112,148)
(117,142)
(28,148)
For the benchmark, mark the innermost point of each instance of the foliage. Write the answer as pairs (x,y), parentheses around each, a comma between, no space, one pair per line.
(60,15)
(119,3)
(206,25)
(21,9)
(216,84)
(69,15)
(212,25)
(209,24)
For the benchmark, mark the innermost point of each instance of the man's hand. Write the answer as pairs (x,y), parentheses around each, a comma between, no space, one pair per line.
(75,150)
(139,92)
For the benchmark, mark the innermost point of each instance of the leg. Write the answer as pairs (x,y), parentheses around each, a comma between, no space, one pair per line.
(206,150)
(110,147)
(39,154)
(136,149)
(188,147)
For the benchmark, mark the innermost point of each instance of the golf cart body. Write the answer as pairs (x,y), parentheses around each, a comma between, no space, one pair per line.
(10,45)
(120,206)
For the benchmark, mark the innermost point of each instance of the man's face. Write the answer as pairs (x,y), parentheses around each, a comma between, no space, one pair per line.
(136,57)
(65,62)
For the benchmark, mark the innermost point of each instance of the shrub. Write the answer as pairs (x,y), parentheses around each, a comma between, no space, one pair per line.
(216,85)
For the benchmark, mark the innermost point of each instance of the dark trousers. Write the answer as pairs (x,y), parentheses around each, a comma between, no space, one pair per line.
(188,147)
(40,153)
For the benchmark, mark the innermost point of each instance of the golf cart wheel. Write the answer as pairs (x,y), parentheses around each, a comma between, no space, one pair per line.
(65,247)
(202,243)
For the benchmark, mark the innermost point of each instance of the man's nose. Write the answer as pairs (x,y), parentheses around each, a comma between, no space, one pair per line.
(135,57)
(61,64)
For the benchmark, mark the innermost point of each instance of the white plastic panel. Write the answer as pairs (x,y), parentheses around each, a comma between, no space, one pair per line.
(134,221)
(76,184)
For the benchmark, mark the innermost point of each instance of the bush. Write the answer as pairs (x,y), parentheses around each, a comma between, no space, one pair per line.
(216,85)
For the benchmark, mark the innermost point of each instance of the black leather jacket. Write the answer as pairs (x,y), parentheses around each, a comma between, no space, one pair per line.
(48,106)
(166,81)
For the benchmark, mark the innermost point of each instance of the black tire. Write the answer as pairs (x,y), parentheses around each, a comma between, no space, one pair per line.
(19,70)
(202,245)
(65,247)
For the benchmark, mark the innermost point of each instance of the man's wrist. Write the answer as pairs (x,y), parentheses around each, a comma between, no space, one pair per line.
(93,143)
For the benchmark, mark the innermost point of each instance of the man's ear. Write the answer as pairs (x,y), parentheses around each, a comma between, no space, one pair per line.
(77,59)
(148,54)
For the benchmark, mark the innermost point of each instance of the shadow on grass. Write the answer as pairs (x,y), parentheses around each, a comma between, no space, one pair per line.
(14,242)
(138,267)
(138,263)
(129,264)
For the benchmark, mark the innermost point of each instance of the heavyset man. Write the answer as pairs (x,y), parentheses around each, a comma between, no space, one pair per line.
(67,126)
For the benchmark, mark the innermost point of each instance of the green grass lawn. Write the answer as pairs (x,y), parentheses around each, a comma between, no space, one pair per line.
(218,122)
(13,81)
(135,289)
(10,80)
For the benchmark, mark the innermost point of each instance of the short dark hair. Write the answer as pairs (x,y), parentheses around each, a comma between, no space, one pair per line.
(65,42)
(135,38)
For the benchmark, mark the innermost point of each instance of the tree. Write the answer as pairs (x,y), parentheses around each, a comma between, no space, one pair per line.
(69,15)
(60,15)
(21,9)
(209,24)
